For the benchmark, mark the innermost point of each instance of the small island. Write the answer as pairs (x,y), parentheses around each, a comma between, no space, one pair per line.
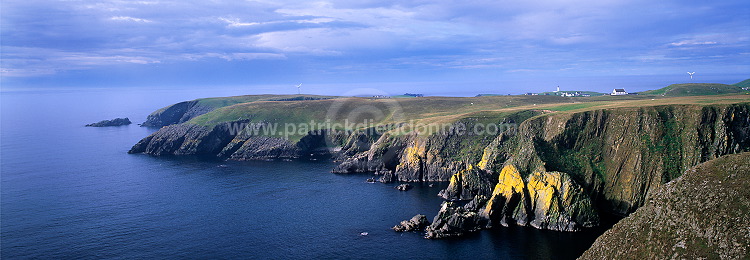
(113,122)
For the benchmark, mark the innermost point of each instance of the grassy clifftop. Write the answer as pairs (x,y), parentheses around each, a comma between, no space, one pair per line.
(695,89)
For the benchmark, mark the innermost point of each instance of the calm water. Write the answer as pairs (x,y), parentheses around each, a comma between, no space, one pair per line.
(70,191)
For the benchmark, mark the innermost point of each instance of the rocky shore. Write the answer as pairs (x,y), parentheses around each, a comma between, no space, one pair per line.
(555,171)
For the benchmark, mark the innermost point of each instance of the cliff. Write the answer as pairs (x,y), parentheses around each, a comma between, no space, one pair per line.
(701,215)
(544,169)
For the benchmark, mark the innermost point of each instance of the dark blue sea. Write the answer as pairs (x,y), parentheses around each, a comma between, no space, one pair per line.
(73,192)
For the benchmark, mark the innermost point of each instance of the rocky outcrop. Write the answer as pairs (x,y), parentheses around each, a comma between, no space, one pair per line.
(221,141)
(417,158)
(385,176)
(184,139)
(508,202)
(701,215)
(558,203)
(403,187)
(416,223)
(176,114)
(113,122)
(453,220)
(544,200)
(468,183)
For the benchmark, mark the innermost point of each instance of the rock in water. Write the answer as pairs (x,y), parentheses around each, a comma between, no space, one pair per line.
(386,176)
(453,221)
(416,223)
(113,122)
(403,187)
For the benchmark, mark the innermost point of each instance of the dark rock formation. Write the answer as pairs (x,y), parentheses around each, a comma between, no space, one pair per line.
(185,139)
(113,122)
(224,142)
(403,187)
(701,215)
(452,221)
(385,176)
(416,223)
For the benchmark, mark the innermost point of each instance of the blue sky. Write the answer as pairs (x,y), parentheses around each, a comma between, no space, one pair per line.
(512,46)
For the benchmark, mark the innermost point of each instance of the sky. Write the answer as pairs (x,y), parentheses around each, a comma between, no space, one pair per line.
(446,46)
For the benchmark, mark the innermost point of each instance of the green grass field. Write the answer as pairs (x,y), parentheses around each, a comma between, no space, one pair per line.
(295,109)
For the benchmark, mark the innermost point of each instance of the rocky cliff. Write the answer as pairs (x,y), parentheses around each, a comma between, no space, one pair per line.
(548,170)
(701,215)
(558,170)
(222,141)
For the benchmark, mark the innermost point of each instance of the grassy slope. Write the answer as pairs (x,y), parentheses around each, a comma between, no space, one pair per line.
(217,102)
(695,89)
(743,84)
(433,109)
(703,214)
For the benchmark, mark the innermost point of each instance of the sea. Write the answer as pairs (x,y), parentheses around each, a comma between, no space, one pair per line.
(73,192)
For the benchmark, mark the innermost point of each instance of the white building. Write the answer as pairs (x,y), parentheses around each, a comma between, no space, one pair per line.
(619,91)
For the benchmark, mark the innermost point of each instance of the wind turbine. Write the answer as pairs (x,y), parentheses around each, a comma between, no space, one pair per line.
(298,88)
(691,75)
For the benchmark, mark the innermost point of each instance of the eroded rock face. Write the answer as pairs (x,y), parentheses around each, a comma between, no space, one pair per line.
(507,205)
(468,183)
(546,200)
(416,223)
(558,203)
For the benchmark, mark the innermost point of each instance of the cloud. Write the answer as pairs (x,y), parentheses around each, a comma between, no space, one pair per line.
(235,56)
(692,42)
(129,19)
(236,22)
(413,36)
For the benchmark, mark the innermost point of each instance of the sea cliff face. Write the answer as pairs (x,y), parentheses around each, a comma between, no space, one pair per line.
(554,171)
(700,215)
